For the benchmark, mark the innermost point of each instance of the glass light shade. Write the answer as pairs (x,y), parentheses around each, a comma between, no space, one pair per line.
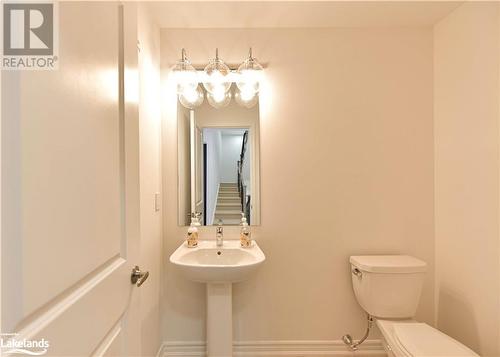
(185,76)
(219,98)
(191,97)
(246,98)
(249,75)
(217,75)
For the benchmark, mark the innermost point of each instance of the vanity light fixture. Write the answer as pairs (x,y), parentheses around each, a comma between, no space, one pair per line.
(249,74)
(185,74)
(217,77)
(186,77)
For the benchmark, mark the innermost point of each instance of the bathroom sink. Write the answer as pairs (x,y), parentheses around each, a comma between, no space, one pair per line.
(218,267)
(208,263)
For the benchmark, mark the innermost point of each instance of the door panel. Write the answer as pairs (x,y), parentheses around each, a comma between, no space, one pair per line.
(69,165)
(86,311)
(71,190)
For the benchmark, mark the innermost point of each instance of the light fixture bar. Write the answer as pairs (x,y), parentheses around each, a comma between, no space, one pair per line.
(232,66)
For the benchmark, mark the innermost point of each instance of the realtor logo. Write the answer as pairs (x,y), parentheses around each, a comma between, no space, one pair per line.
(29,35)
(12,344)
(28,29)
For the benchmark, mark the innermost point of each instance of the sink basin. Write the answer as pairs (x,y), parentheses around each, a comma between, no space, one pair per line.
(208,263)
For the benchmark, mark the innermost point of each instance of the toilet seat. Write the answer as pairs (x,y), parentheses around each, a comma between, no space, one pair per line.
(414,339)
(419,340)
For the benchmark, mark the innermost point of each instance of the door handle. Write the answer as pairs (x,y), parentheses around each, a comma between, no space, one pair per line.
(138,277)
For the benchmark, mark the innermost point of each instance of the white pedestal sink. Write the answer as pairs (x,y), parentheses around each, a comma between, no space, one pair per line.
(218,267)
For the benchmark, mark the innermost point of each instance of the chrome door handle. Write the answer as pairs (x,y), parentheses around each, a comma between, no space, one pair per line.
(138,277)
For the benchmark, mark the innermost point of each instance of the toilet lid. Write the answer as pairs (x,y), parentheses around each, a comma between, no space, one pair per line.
(421,340)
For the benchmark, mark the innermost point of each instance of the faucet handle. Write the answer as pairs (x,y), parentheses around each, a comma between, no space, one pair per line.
(219,228)
(219,233)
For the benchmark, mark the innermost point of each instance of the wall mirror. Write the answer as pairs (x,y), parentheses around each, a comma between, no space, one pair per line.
(218,158)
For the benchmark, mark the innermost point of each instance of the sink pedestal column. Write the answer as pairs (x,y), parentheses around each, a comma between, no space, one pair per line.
(219,320)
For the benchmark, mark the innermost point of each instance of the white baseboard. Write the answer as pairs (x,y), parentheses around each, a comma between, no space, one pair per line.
(370,348)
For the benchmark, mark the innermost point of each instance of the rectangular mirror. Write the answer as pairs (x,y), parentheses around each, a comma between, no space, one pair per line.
(218,158)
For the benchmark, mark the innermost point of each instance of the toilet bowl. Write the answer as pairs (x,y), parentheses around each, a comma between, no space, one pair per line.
(388,288)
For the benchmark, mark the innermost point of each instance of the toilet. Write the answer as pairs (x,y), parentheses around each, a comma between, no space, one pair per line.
(388,288)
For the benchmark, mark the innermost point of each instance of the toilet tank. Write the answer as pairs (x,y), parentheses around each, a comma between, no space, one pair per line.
(388,286)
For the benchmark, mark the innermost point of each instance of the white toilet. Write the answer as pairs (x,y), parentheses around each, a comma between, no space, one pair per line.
(388,288)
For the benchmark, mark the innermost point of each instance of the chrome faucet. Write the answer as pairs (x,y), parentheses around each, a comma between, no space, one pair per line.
(219,234)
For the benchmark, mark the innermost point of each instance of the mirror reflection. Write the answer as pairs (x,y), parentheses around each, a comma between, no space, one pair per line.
(218,155)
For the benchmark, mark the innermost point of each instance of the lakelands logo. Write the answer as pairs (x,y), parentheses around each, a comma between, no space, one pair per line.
(30,38)
(10,343)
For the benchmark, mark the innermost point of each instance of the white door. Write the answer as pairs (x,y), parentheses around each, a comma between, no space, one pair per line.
(70,209)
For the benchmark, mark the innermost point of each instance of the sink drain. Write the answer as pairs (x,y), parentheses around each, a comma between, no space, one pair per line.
(219,252)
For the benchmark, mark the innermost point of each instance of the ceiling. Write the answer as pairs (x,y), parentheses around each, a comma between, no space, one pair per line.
(308,14)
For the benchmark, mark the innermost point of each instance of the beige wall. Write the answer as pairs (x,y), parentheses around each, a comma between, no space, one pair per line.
(346,168)
(150,178)
(466,70)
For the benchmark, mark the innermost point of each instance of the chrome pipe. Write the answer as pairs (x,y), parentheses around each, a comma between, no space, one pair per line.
(348,340)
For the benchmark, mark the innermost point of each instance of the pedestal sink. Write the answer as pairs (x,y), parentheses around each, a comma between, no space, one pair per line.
(218,267)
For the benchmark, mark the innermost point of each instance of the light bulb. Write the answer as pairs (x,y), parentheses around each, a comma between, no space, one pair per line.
(184,74)
(217,74)
(249,74)
(185,80)
(219,98)
(246,98)
(218,94)
(191,98)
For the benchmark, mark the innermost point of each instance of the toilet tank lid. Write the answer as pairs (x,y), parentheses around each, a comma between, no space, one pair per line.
(388,263)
